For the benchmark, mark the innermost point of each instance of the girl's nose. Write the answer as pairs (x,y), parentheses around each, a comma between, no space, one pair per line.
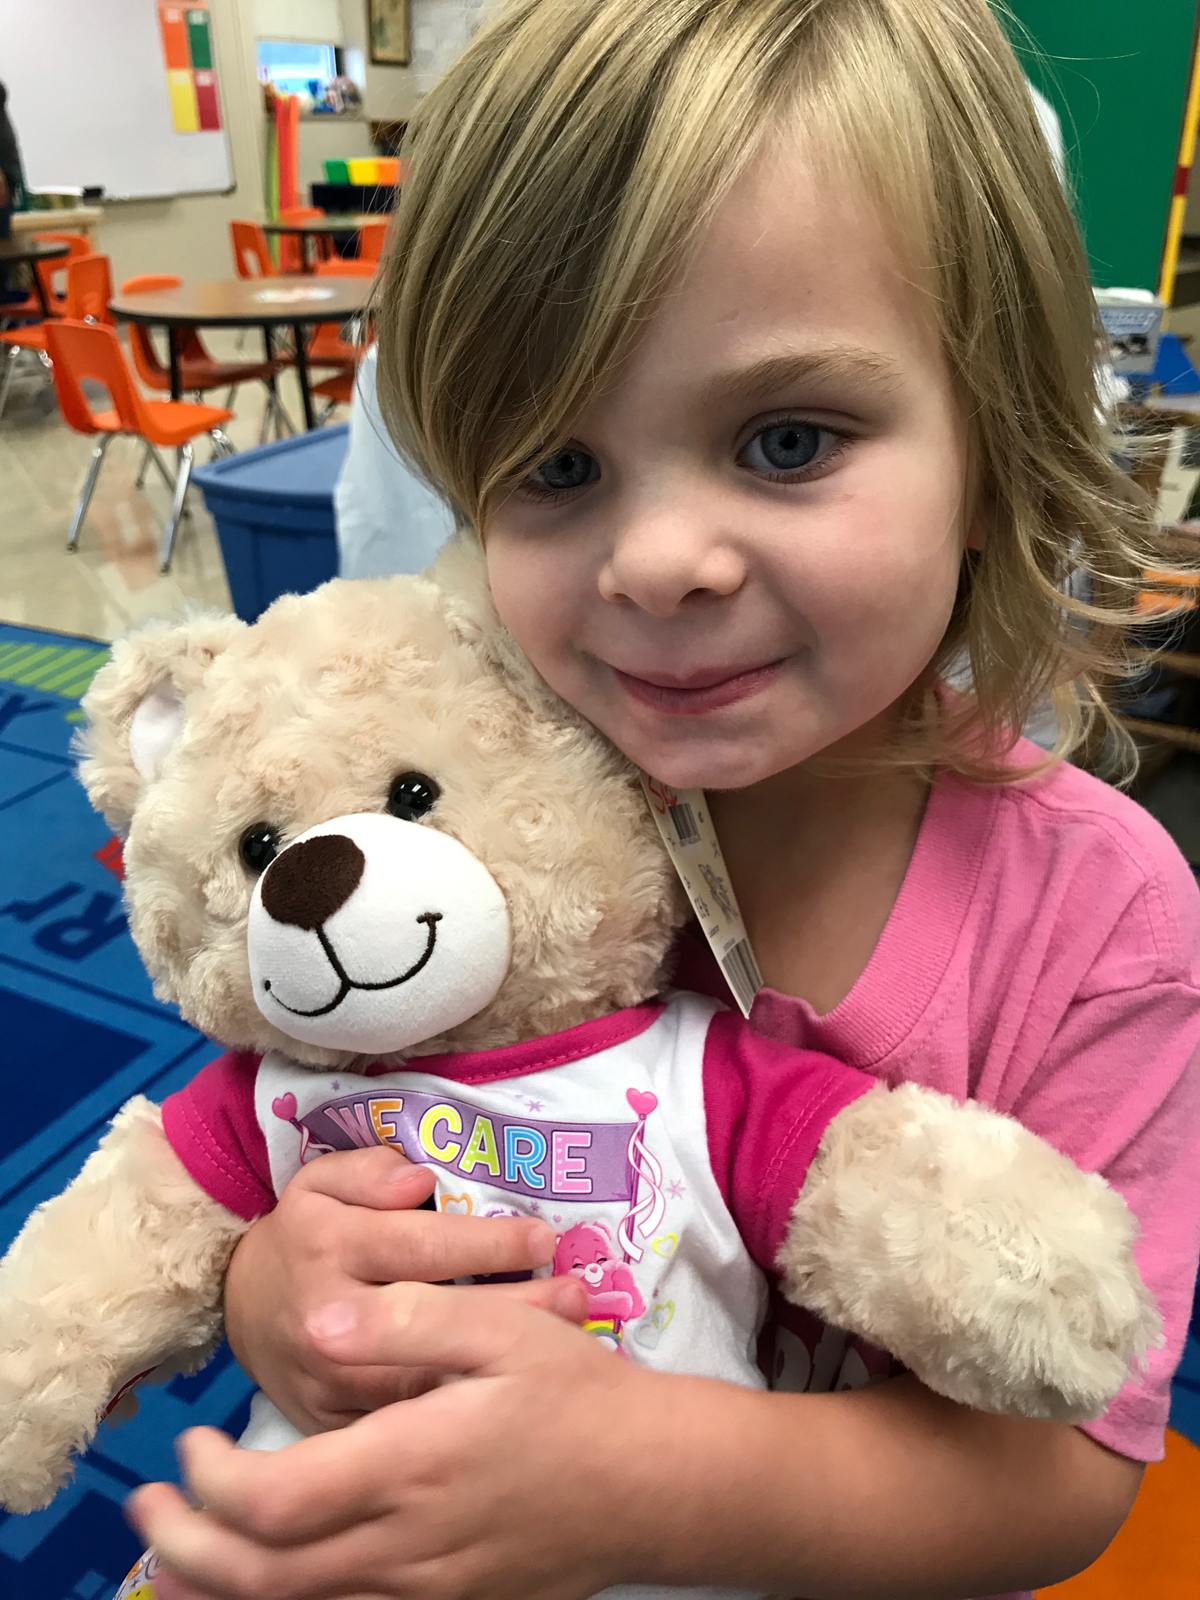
(665,555)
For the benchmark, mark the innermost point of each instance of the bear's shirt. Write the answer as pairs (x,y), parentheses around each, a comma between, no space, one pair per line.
(667,1142)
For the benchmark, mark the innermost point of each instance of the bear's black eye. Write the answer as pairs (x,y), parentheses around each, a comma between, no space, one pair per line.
(412,795)
(258,847)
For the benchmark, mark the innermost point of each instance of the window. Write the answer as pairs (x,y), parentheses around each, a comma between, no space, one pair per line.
(295,68)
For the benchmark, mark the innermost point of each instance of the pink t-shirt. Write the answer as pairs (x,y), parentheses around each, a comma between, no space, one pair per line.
(1043,957)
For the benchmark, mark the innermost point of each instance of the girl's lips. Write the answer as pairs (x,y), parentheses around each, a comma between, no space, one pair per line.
(703,693)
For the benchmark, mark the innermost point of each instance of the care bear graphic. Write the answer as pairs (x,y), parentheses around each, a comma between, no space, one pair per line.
(586,1251)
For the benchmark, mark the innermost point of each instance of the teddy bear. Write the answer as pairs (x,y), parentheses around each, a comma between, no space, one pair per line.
(423,903)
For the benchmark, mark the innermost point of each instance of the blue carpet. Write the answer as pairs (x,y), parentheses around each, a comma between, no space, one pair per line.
(75,1001)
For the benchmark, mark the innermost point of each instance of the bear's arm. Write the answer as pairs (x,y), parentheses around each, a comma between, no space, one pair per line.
(999,1273)
(119,1273)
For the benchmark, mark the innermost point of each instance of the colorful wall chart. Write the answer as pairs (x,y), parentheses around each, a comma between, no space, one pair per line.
(191,78)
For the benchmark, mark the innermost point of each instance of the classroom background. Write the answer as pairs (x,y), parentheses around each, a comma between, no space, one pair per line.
(195,205)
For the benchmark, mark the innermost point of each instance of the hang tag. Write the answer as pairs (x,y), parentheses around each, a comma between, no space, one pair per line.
(691,840)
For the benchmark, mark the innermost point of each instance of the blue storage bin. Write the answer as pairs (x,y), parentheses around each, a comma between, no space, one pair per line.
(273,508)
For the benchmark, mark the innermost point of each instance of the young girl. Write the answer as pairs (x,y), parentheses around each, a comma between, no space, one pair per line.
(755,338)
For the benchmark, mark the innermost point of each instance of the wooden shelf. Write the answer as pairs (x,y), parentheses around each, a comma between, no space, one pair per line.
(1167,732)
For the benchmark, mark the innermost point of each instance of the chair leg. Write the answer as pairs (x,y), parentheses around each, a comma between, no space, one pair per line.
(233,389)
(186,512)
(140,481)
(222,444)
(89,484)
(163,470)
(182,479)
(10,368)
(274,411)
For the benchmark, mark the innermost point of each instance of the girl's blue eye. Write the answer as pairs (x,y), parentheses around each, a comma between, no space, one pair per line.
(568,468)
(788,447)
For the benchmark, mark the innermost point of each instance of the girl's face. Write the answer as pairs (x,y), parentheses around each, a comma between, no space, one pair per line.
(750,548)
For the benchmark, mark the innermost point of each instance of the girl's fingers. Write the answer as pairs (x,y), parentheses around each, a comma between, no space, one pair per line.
(309,1490)
(565,1297)
(429,1247)
(456,1330)
(210,1557)
(379,1178)
(169,1587)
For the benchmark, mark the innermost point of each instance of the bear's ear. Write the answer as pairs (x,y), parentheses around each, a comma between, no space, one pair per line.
(135,708)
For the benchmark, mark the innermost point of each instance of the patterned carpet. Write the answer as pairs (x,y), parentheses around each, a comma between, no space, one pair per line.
(75,1004)
(80,1032)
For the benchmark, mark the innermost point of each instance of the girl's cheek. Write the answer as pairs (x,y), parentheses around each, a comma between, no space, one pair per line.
(527,597)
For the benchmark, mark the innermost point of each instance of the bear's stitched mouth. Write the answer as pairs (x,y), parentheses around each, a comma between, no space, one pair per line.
(429,918)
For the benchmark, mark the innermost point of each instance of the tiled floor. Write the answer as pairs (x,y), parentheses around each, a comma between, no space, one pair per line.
(113,580)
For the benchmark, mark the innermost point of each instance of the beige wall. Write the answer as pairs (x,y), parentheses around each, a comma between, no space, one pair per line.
(329,139)
(390,93)
(189,235)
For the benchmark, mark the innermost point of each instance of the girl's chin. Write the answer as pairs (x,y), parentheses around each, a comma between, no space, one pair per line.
(706,757)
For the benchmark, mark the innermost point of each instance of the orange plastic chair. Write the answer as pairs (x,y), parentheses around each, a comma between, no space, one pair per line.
(293,253)
(89,289)
(371,239)
(348,267)
(327,348)
(82,351)
(335,391)
(198,370)
(48,273)
(251,255)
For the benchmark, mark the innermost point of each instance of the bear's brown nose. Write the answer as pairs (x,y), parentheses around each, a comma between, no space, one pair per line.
(311,880)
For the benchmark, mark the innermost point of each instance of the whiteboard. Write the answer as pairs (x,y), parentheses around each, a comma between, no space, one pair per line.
(87,95)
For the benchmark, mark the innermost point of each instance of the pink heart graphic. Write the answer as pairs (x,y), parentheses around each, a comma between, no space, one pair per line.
(284,1107)
(642,1101)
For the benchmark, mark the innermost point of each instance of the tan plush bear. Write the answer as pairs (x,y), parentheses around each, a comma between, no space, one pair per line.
(367,848)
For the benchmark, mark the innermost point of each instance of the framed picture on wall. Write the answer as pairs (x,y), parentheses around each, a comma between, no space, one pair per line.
(389,32)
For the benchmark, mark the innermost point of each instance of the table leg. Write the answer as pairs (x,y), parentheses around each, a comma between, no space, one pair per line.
(40,288)
(302,374)
(173,356)
(271,414)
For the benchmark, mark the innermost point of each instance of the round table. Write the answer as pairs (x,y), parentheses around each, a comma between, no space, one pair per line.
(293,301)
(325,227)
(32,250)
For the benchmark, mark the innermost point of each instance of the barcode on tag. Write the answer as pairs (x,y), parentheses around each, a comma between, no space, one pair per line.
(742,974)
(683,820)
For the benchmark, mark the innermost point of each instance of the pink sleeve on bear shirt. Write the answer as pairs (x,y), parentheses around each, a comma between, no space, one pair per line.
(211,1126)
(766,1106)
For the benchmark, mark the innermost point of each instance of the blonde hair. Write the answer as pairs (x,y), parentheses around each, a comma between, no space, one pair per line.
(564,165)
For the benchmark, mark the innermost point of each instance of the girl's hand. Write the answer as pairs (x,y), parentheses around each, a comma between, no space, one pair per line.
(554,1468)
(345,1222)
(511,1484)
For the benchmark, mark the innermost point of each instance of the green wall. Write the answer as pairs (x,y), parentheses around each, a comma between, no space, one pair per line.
(1117,75)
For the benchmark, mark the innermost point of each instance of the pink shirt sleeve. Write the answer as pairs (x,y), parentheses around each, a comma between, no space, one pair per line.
(767,1105)
(1138,1123)
(211,1126)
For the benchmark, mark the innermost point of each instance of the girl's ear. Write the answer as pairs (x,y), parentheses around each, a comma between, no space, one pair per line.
(136,707)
